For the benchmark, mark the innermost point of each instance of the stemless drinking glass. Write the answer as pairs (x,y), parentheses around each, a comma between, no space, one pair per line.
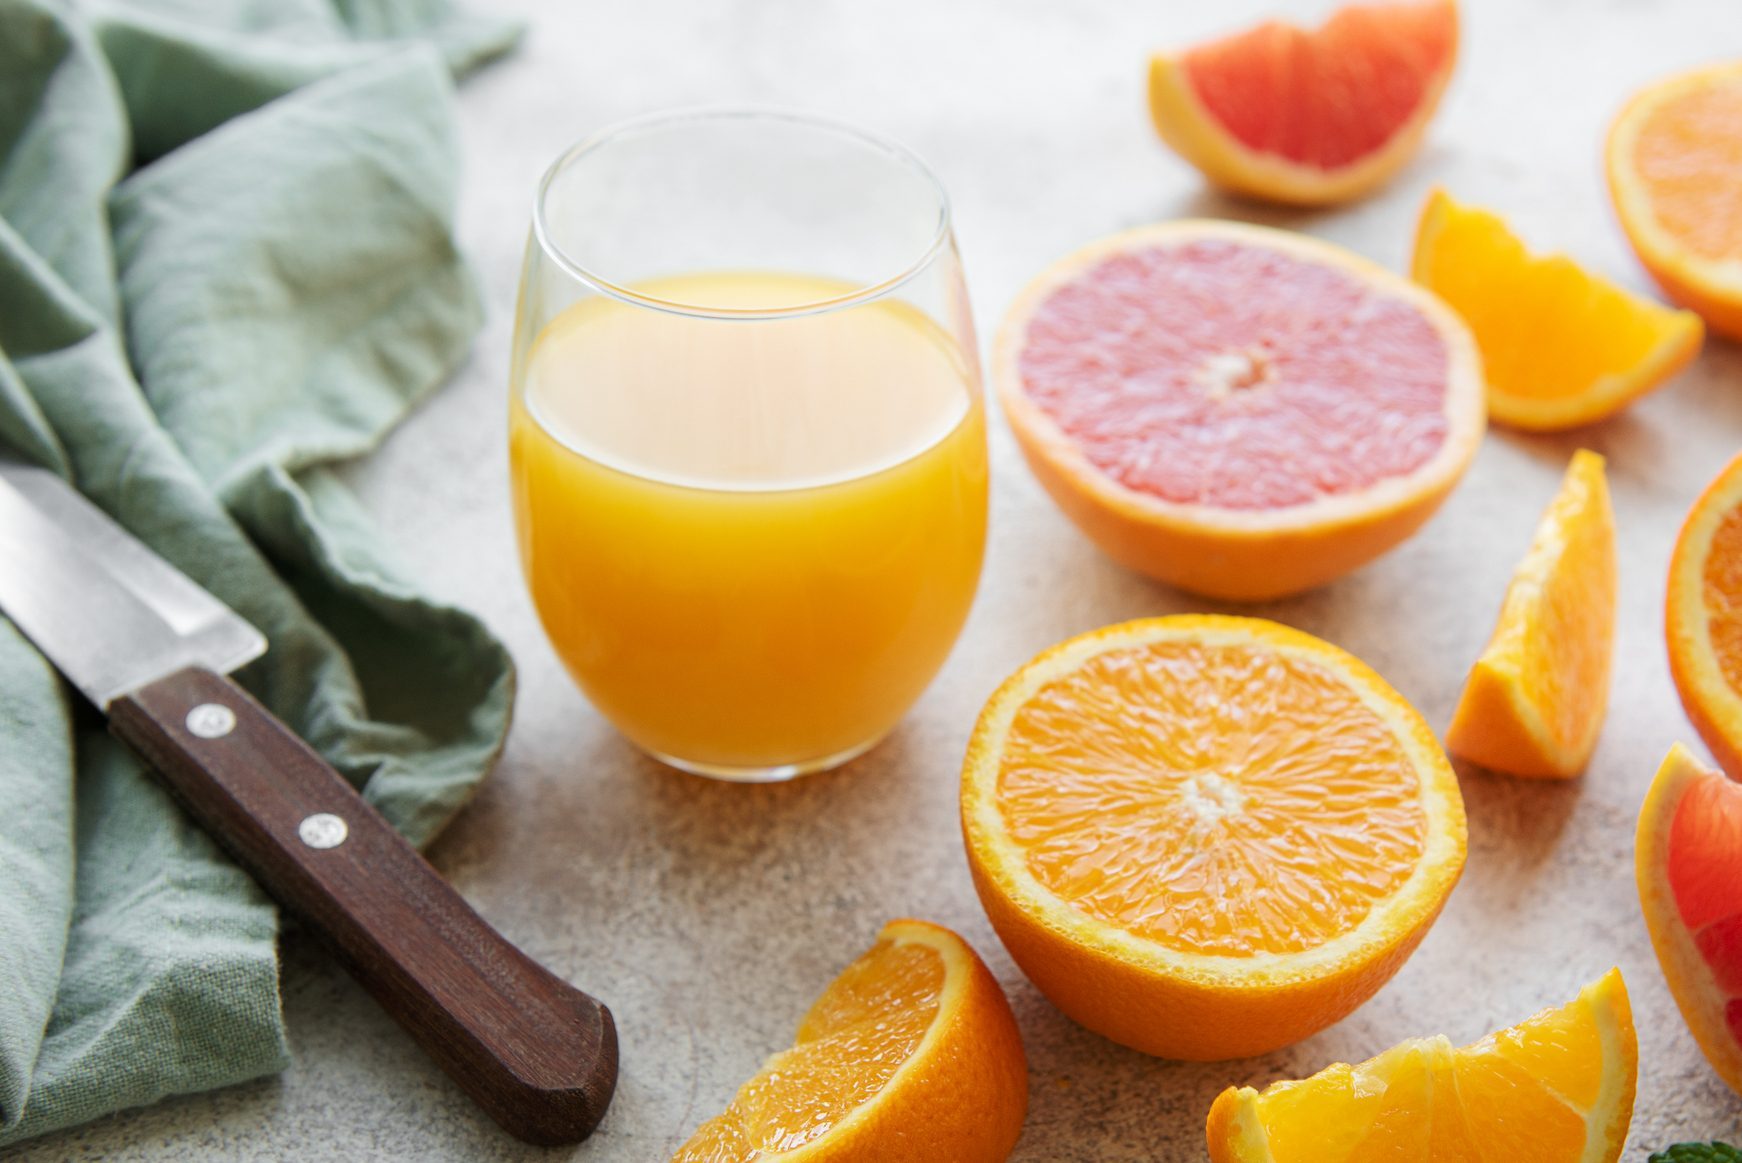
(746,434)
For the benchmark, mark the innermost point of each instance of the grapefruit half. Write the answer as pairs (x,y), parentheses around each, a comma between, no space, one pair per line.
(1308,116)
(1688,858)
(1238,411)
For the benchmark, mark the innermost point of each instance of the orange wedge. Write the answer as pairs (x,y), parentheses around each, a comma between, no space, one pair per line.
(1308,116)
(911,1053)
(1560,346)
(1675,171)
(1235,410)
(1207,837)
(1534,702)
(1688,859)
(1703,616)
(1556,1088)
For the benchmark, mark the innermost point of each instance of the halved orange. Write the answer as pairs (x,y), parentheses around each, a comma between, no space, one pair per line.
(1674,160)
(1703,616)
(1561,347)
(1308,116)
(1207,837)
(1688,859)
(911,1053)
(1556,1088)
(1534,702)
(1238,411)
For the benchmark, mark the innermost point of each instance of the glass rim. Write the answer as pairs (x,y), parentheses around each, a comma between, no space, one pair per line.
(618,130)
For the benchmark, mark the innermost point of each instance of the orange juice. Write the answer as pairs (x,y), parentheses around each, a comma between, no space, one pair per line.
(752,541)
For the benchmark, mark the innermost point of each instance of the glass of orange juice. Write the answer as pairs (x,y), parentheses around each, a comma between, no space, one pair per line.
(746,435)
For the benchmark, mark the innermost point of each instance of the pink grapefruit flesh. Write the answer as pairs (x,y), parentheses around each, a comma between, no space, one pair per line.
(1239,411)
(1308,116)
(1214,372)
(1688,860)
(1328,97)
(1705,876)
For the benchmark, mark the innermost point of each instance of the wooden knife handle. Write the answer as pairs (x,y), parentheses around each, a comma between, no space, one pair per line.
(537,1054)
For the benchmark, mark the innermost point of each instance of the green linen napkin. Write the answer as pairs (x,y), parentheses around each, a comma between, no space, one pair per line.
(226,260)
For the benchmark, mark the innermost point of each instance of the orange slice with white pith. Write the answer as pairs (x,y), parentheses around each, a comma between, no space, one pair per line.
(1674,160)
(1703,616)
(1207,837)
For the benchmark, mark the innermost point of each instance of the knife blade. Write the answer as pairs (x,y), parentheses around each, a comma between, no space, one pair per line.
(137,617)
(152,649)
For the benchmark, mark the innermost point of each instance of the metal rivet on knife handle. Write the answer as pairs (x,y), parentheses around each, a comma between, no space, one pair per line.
(322,830)
(211,720)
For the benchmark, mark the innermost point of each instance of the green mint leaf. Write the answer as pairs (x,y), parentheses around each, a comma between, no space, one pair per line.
(1698,1153)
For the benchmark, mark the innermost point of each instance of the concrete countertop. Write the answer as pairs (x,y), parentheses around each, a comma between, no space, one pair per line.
(709,915)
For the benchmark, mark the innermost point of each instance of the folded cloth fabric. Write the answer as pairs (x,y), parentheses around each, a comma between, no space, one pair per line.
(226,261)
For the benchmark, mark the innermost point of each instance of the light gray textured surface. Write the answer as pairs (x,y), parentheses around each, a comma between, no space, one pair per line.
(708,915)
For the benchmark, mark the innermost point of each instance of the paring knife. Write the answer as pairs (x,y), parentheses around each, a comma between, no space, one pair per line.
(151,649)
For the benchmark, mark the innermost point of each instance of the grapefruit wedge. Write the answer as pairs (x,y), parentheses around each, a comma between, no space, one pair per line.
(1308,117)
(1238,411)
(1688,858)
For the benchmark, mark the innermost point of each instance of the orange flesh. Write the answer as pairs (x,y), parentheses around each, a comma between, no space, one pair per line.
(1564,651)
(1722,585)
(1514,1095)
(1705,877)
(1331,96)
(1551,652)
(1223,373)
(1688,159)
(863,1028)
(1547,329)
(1211,798)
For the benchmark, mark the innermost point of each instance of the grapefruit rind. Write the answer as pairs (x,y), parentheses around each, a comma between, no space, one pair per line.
(1690,979)
(1245,555)
(1710,287)
(1496,723)
(1192,131)
(1712,704)
(1682,337)
(1218,1006)
(1236,1132)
